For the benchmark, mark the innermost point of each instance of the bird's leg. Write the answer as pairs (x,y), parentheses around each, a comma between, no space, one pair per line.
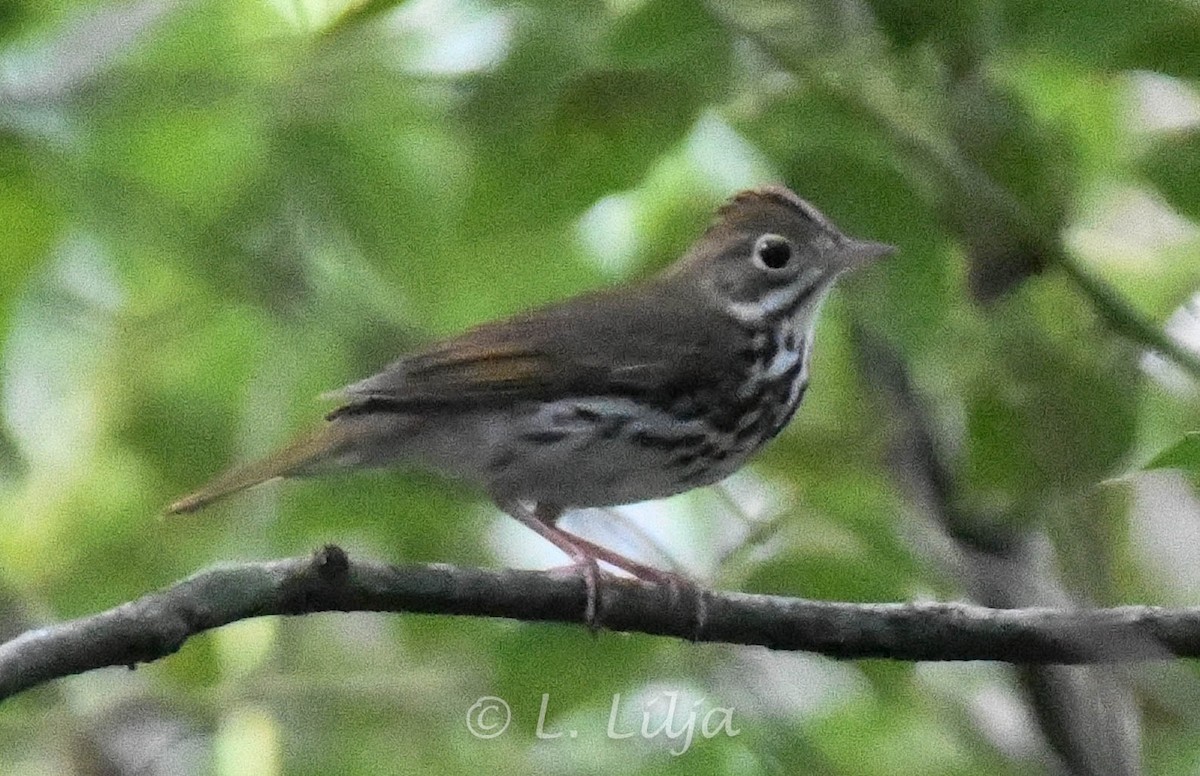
(582,559)
(678,584)
(550,515)
(614,558)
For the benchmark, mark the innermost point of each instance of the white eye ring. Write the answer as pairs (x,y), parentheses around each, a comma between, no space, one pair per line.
(773,252)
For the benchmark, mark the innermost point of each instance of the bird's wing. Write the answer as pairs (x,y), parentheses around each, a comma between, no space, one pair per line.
(617,342)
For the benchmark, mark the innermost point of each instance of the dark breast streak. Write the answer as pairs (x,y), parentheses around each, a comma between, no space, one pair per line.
(708,427)
(744,412)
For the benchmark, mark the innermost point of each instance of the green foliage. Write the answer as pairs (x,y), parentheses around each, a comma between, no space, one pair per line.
(1183,455)
(1173,166)
(211,213)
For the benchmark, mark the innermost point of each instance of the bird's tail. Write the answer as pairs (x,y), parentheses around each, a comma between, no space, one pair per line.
(304,456)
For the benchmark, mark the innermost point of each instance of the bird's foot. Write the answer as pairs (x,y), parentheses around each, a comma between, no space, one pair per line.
(589,570)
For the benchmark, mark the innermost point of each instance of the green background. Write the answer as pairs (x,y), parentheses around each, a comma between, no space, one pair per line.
(212,212)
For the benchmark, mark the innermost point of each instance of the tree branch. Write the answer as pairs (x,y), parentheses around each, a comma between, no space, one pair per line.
(328,581)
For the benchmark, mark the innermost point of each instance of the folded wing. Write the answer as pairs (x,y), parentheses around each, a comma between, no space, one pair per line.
(643,344)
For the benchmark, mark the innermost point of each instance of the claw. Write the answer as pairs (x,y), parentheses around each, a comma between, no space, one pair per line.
(541,520)
(591,583)
(586,567)
(586,557)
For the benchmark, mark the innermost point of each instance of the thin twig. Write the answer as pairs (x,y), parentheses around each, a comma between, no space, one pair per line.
(1127,321)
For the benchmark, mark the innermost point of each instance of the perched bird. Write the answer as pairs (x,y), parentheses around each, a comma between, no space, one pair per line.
(630,393)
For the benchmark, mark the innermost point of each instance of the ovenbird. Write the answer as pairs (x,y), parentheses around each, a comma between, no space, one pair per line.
(630,393)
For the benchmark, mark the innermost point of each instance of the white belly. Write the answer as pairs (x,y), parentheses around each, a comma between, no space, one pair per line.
(572,452)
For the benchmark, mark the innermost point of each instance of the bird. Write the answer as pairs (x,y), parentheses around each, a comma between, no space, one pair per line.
(625,394)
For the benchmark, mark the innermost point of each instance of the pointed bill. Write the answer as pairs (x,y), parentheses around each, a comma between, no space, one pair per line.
(853,254)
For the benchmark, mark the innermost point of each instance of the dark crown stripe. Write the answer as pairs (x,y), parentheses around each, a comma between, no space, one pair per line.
(780,195)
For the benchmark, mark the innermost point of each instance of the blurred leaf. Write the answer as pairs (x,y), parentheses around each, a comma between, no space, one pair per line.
(571,115)
(361,11)
(1170,44)
(31,221)
(1093,543)
(1173,166)
(14,14)
(956,28)
(616,663)
(600,135)
(1045,418)
(1184,455)
(183,414)
(191,157)
(1084,109)
(1125,34)
(679,37)
(869,738)
(799,127)
(1009,213)
(844,520)
(12,465)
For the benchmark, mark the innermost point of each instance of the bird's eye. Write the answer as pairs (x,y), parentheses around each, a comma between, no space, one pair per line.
(772,251)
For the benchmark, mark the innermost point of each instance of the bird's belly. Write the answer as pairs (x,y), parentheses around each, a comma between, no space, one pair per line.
(602,451)
(612,473)
(588,452)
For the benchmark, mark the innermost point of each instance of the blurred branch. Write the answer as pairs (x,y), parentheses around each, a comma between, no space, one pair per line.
(328,581)
(1088,716)
(1124,319)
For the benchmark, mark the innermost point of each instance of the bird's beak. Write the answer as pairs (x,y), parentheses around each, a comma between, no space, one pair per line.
(853,254)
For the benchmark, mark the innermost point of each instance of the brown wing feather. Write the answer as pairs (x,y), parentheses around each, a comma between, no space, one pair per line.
(634,341)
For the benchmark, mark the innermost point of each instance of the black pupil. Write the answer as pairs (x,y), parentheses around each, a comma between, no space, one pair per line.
(775,254)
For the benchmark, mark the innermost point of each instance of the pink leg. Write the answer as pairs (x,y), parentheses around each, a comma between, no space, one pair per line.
(678,584)
(549,514)
(580,557)
(614,558)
